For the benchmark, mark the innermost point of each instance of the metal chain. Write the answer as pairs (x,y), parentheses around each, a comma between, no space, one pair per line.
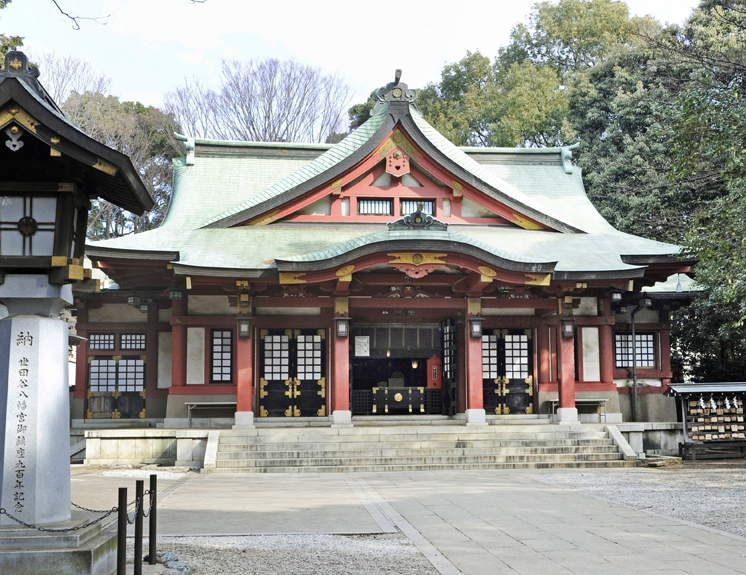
(134,515)
(106,513)
(105,510)
(150,507)
(3,511)
(90,510)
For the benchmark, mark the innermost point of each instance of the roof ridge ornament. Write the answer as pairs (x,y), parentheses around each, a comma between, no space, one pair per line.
(16,65)
(418,220)
(396,91)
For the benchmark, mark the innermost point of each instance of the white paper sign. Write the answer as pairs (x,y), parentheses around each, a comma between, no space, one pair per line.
(362,346)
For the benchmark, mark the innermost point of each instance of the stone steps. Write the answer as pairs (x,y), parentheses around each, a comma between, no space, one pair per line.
(378,462)
(375,443)
(442,467)
(425,447)
(388,452)
(398,438)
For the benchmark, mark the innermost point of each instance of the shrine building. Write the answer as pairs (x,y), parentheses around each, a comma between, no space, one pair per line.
(390,274)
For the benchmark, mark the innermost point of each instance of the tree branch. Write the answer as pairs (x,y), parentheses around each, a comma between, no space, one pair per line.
(75,19)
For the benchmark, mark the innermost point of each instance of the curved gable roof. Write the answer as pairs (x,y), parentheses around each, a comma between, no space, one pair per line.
(357,146)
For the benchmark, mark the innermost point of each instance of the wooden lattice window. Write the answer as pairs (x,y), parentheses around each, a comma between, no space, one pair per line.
(276,357)
(131,374)
(309,357)
(490,360)
(103,374)
(410,206)
(109,374)
(221,362)
(132,341)
(449,349)
(516,356)
(101,341)
(375,207)
(645,349)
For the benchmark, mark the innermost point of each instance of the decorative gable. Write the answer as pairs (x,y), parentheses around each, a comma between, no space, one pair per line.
(382,170)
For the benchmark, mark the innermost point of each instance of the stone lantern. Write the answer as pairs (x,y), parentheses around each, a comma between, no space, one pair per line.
(49,173)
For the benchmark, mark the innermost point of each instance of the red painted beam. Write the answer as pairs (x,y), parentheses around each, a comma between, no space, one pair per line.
(400,303)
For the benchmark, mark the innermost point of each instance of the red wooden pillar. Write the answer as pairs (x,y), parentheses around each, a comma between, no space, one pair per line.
(341,381)
(244,374)
(544,353)
(475,399)
(340,388)
(178,344)
(567,370)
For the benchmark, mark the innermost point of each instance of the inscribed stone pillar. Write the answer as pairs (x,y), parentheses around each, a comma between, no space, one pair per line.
(34,402)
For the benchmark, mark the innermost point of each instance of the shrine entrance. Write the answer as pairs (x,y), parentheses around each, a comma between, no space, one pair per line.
(116,387)
(292,373)
(507,372)
(396,369)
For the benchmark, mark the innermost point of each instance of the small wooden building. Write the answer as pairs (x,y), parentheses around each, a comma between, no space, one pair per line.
(391,273)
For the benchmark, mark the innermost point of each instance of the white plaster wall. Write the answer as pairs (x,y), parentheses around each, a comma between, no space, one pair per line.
(164,315)
(322,207)
(591,358)
(288,311)
(117,312)
(650,382)
(210,305)
(195,355)
(503,311)
(588,307)
(164,359)
(471,209)
(645,315)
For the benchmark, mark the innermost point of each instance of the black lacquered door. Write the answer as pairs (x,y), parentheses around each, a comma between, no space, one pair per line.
(116,387)
(293,373)
(507,372)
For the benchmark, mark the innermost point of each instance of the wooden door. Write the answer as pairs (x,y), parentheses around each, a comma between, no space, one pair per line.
(293,373)
(507,372)
(116,387)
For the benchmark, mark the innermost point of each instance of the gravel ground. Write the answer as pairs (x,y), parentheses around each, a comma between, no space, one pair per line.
(298,554)
(711,494)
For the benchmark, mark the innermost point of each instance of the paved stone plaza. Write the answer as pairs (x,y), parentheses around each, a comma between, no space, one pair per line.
(470,522)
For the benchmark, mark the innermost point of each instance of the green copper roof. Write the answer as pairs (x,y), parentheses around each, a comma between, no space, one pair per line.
(386,237)
(327,160)
(221,185)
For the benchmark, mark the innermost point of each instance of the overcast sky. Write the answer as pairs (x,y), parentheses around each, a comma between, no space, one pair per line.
(148,46)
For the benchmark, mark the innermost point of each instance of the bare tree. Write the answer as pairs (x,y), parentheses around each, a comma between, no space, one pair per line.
(142,132)
(64,75)
(262,100)
(146,135)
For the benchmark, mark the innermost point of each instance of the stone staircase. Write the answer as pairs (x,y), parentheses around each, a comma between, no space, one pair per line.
(413,448)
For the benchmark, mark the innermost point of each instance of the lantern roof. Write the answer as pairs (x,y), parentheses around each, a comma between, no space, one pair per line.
(109,174)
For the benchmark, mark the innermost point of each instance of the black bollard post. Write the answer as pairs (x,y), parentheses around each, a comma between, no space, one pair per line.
(139,497)
(122,532)
(152,518)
